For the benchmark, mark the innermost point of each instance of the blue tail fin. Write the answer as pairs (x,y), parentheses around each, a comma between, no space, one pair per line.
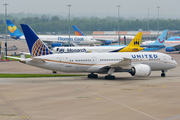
(161,39)
(13,30)
(36,46)
(77,31)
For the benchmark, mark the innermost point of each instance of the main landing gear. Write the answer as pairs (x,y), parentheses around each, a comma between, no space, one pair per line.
(92,75)
(109,77)
(163,74)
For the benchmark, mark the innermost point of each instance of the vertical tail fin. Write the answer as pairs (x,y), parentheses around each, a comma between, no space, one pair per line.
(136,41)
(13,30)
(161,39)
(36,46)
(77,31)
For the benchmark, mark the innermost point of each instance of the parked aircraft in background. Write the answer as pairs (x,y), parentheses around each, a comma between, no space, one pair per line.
(78,32)
(157,45)
(171,44)
(133,46)
(174,38)
(50,39)
(136,63)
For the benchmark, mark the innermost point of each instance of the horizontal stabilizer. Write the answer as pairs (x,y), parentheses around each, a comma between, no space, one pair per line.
(17,58)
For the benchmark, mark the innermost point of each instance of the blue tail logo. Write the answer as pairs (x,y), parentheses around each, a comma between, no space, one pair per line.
(77,31)
(161,39)
(36,46)
(13,30)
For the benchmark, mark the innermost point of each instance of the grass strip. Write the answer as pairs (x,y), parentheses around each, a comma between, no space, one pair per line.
(36,75)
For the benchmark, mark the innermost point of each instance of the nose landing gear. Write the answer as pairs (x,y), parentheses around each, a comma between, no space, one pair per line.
(163,74)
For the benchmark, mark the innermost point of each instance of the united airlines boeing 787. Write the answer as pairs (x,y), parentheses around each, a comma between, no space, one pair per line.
(136,63)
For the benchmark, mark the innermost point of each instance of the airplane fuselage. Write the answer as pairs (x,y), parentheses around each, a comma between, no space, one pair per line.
(97,62)
(79,40)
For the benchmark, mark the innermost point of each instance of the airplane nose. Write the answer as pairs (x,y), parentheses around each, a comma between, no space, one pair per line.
(176,63)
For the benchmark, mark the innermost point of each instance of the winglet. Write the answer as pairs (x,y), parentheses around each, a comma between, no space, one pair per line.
(161,39)
(13,30)
(36,46)
(77,31)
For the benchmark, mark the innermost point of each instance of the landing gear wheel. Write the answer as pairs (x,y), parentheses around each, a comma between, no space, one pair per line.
(163,74)
(109,77)
(54,71)
(92,75)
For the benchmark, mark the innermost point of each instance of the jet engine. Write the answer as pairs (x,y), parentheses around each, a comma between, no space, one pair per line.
(140,70)
(108,42)
(56,45)
(169,49)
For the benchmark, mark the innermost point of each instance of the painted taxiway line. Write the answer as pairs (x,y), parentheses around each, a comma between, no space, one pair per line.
(119,103)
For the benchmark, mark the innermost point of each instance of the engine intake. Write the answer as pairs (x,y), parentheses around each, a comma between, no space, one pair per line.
(140,70)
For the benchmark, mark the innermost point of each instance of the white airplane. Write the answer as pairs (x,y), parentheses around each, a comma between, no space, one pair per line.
(134,46)
(136,63)
(78,32)
(50,39)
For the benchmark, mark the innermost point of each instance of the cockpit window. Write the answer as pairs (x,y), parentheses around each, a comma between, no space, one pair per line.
(172,59)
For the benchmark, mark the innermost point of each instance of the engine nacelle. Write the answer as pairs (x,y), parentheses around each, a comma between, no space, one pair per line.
(169,49)
(140,70)
(108,42)
(56,45)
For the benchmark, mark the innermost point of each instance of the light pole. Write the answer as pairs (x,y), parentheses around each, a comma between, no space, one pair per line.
(158,20)
(148,19)
(69,23)
(118,24)
(6,26)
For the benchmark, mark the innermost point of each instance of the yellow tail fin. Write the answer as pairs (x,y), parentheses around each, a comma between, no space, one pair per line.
(134,45)
(136,41)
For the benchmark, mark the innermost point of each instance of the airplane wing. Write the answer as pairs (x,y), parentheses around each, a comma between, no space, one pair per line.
(176,47)
(106,40)
(124,64)
(103,39)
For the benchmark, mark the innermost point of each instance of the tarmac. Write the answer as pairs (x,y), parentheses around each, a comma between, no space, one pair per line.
(80,98)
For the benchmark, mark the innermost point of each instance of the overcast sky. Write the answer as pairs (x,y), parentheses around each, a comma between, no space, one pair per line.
(129,8)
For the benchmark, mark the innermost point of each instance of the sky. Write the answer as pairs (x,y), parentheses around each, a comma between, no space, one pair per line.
(101,8)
